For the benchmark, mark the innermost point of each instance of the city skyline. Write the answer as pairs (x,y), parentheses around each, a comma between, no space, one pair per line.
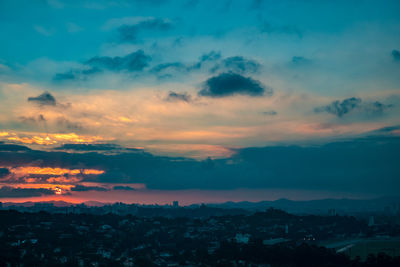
(198,101)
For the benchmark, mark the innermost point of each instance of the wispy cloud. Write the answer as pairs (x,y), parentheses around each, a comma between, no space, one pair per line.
(44,31)
(130,32)
(173,96)
(350,105)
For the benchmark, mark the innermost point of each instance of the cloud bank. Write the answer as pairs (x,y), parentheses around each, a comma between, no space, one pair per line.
(350,105)
(338,166)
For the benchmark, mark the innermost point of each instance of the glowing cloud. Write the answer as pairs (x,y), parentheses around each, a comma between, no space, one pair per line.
(50,139)
(53,171)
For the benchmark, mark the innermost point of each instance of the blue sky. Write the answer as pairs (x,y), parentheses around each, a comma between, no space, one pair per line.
(200,79)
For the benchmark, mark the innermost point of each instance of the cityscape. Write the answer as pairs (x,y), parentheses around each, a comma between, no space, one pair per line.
(252,133)
(119,234)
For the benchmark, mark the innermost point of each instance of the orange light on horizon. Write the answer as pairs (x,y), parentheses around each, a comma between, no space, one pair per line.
(44,198)
(58,191)
(40,186)
(53,171)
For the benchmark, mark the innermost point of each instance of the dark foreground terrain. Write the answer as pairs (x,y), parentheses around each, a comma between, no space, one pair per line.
(270,238)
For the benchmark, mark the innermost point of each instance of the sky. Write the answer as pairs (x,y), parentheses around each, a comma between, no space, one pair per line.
(198,101)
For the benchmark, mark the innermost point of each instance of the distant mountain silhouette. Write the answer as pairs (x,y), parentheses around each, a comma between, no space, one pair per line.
(320,206)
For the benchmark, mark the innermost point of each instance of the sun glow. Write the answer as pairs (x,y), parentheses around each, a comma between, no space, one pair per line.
(54,171)
(58,191)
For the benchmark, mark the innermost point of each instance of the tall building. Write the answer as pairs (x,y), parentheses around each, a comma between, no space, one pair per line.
(175,204)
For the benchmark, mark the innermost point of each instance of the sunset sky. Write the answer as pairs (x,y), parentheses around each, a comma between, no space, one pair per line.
(198,101)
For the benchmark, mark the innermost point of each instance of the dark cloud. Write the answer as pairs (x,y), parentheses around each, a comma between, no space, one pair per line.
(386,130)
(210,56)
(88,147)
(45,99)
(172,97)
(135,61)
(396,55)
(64,76)
(12,147)
(165,66)
(168,70)
(348,105)
(108,149)
(340,108)
(228,84)
(10,192)
(241,65)
(211,61)
(338,166)
(376,108)
(88,188)
(129,33)
(4,172)
(139,61)
(119,187)
(132,62)
(206,58)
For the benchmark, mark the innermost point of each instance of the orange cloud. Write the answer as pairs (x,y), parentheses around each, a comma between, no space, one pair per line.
(61,180)
(125,119)
(60,188)
(50,139)
(32,140)
(72,137)
(30,180)
(92,171)
(53,171)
